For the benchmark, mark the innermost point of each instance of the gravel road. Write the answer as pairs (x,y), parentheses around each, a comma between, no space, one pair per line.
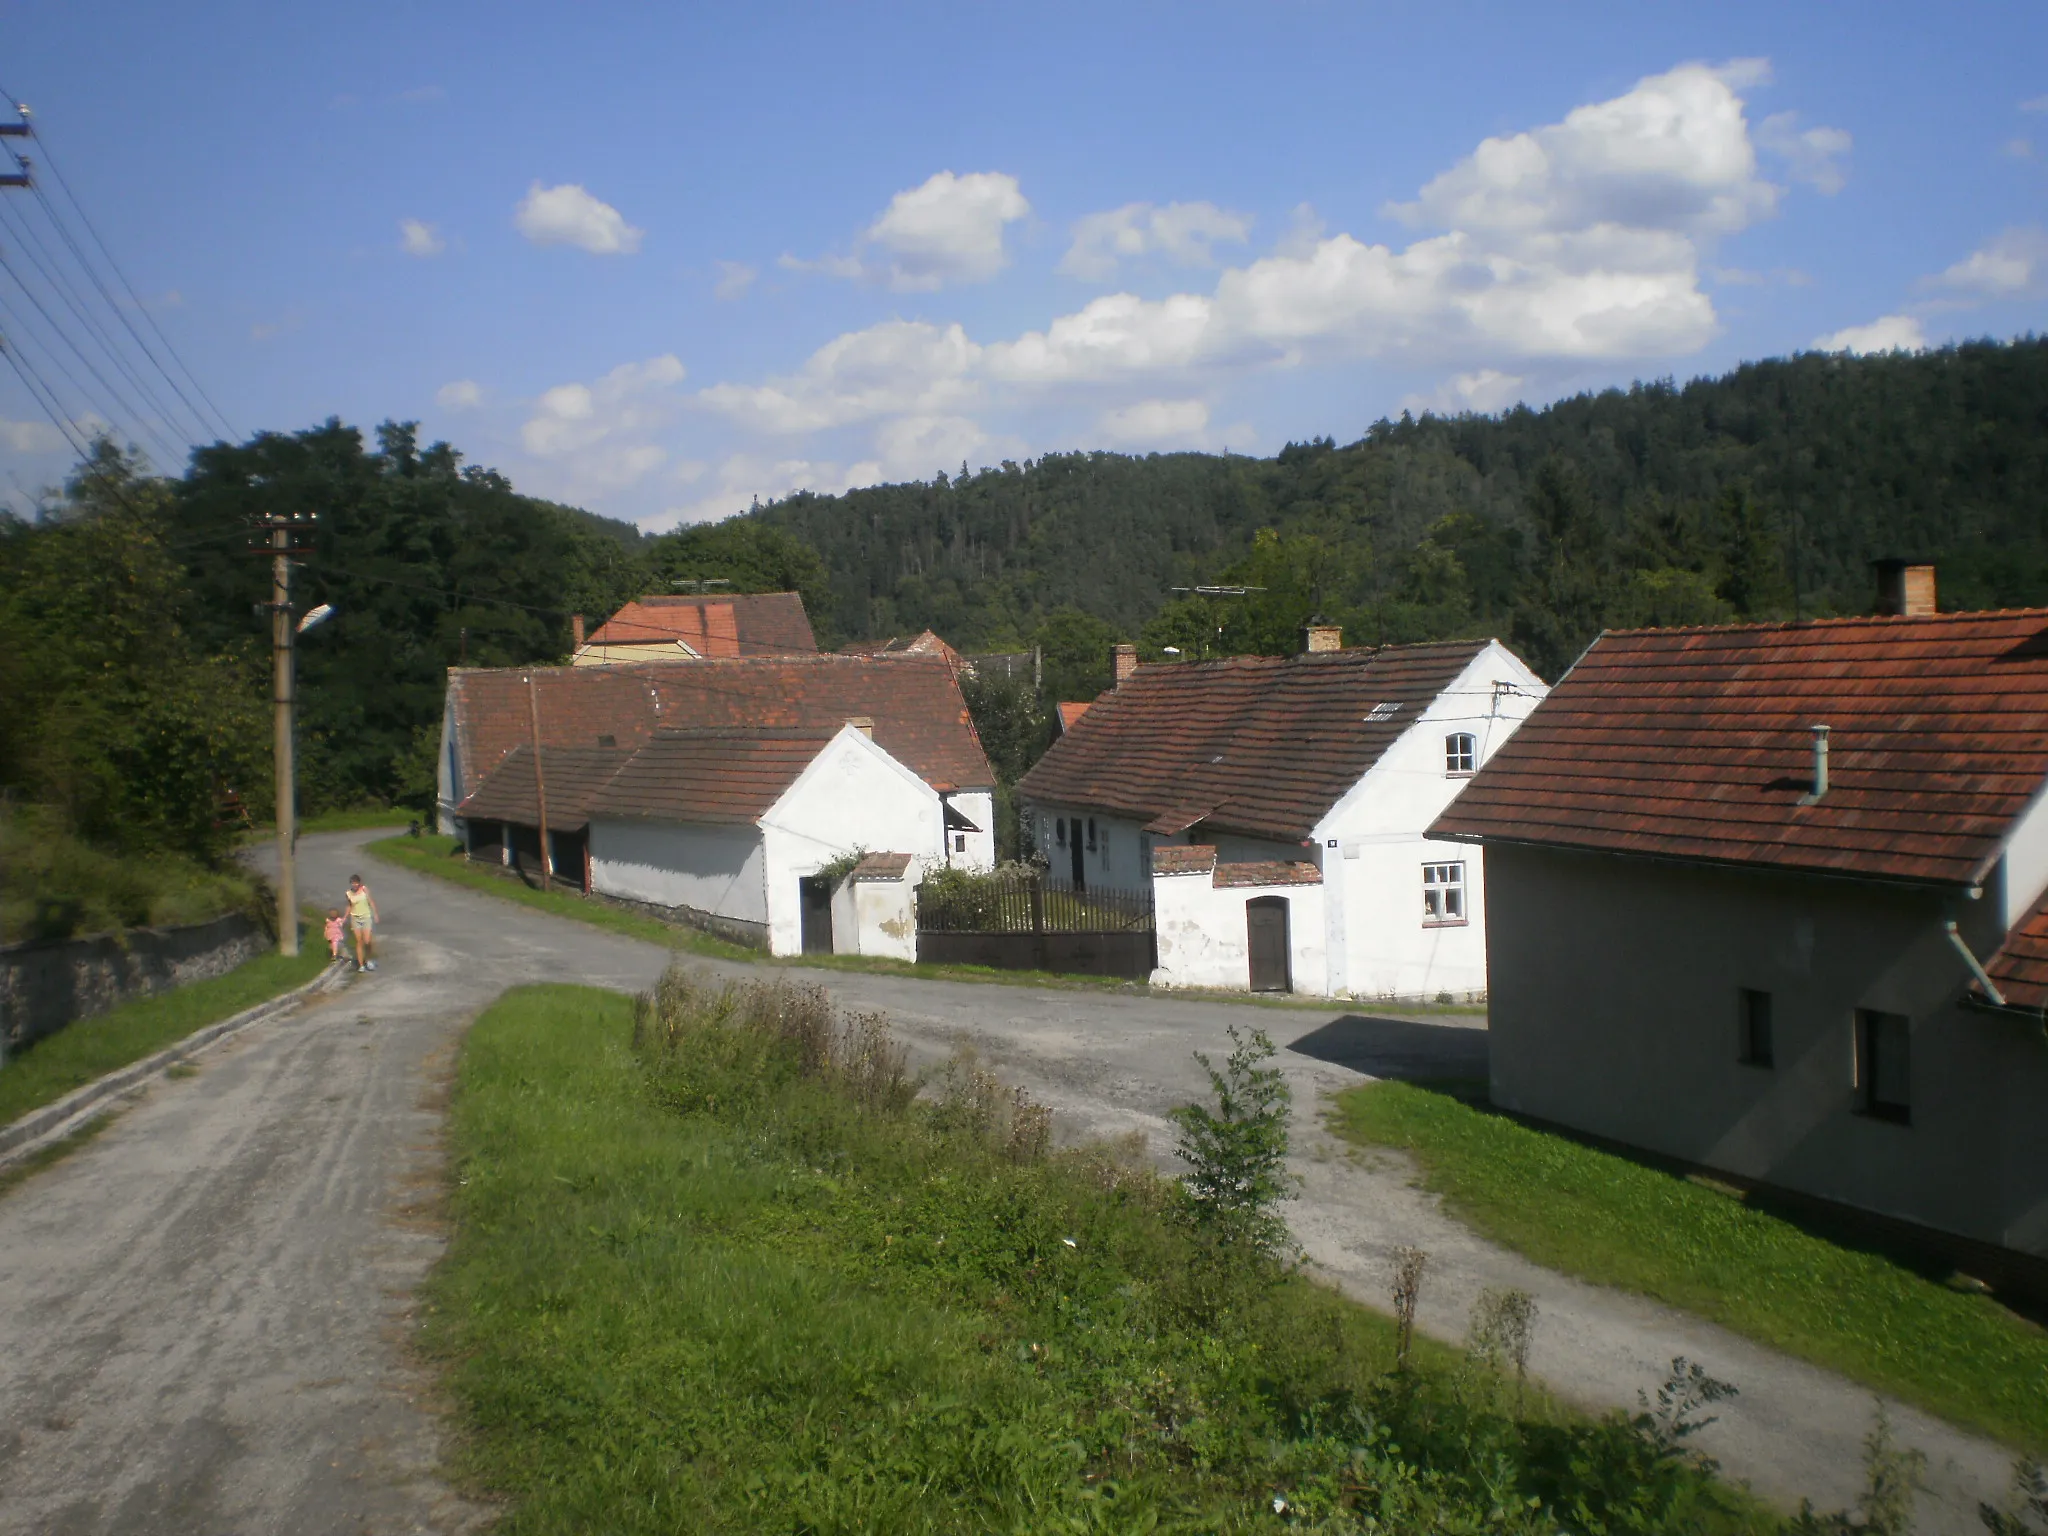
(203,1312)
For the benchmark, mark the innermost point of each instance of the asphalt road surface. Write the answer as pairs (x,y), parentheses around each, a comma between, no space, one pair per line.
(203,1312)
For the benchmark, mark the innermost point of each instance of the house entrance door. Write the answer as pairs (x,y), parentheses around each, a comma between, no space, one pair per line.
(817,914)
(1265,921)
(1074,834)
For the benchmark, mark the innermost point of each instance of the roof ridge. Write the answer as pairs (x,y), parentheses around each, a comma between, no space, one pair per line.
(1836,621)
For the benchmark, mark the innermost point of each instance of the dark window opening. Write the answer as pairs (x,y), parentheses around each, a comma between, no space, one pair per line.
(1061,826)
(607,741)
(1754,1048)
(1091,834)
(1884,1065)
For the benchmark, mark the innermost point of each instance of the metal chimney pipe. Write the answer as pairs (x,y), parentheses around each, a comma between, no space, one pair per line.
(1820,761)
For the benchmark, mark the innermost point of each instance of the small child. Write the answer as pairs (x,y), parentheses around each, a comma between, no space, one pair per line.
(334,932)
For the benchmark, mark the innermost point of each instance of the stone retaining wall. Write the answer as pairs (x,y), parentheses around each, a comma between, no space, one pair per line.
(44,987)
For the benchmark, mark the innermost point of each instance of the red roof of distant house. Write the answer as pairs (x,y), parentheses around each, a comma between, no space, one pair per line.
(573,777)
(1257,744)
(1697,744)
(925,643)
(919,716)
(717,776)
(1069,713)
(736,624)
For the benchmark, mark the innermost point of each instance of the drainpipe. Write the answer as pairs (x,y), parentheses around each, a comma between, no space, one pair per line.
(1977,970)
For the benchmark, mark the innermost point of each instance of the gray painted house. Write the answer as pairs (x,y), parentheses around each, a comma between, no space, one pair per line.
(1814,959)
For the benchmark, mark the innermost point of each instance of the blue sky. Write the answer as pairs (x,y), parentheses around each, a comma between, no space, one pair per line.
(657,261)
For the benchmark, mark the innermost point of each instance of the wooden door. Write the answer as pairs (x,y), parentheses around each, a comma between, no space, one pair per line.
(817,914)
(1265,921)
(1074,837)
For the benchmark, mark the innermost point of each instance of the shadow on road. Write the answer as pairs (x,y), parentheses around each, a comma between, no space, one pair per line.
(1397,1047)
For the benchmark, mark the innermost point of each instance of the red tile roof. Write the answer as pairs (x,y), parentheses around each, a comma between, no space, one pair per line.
(718,776)
(925,643)
(2020,968)
(1069,713)
(572,776)
(737,624)
(882,866)
(1267,872)
(920,717)
(1257,744)
(1183,859)
(1696,744)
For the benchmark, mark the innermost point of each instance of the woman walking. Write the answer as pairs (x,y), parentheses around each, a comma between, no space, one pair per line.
(362,918)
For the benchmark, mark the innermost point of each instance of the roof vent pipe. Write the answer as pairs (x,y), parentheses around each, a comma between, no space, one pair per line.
(1820,765)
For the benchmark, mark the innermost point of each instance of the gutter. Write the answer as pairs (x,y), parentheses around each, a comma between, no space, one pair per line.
(1983,976)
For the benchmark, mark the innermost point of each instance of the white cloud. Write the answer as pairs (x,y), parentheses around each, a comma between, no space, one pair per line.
(949,230)
(2019,149)
(897,367)
(1156,424)
(734,279)
(1673,153)
(31,437)
(600,432)
(1181,232)
(1892,333)
(2037,104)
(2014,263)
(1484,390)
(461,395)
(568,215)
(1811,155)
(420,239)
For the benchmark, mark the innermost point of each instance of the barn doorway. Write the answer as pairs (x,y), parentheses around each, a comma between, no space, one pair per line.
(817,914)
(1265,921)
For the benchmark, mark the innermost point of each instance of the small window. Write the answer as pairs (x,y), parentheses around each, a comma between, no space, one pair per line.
(1381,712)
(1443,894)
(1753,1020)
(1461,752)
(1884,1065)
(1091,834)
(1062,825)
(959,842)
(607,741)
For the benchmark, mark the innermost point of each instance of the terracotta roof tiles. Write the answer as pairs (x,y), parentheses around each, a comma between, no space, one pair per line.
(2020,968)
(1697,744)
(715,776)
(1267,872)
(1256,744)
(735,624)
(573,776)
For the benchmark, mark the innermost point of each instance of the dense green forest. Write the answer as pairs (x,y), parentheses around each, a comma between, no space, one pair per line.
(133,662)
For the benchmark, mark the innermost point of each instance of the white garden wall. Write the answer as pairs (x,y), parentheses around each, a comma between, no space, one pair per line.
(1204,938)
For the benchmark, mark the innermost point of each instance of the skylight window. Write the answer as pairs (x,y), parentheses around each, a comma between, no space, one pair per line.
(1381,712)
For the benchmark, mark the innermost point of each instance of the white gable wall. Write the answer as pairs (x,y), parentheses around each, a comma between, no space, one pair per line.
(715,869)
(1373,852)
(853,796)
(2022,873)
(979,807)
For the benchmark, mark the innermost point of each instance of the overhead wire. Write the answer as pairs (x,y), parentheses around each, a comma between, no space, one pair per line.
(47,159)
(51,270)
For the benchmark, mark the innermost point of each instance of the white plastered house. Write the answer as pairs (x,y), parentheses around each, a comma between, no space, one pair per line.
(735,826)
(1279,808)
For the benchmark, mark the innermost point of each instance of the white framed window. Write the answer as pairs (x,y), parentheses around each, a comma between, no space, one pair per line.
(1443,894)
(1461,753)
(959,842)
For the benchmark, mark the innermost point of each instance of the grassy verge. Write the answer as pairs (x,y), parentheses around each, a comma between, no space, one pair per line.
(55,886)
(1607,1218)
(713,1271)
(91,1048)
(441,857)
(341,821)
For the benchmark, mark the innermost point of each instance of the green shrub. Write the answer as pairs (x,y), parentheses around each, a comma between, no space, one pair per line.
(53,885)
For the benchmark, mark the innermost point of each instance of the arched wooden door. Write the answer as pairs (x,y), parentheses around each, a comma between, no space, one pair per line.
(1265,921)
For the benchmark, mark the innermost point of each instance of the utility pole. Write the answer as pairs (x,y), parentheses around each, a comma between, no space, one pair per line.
(540,782)
(283,688)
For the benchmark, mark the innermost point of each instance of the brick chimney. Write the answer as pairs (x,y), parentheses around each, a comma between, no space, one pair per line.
(1905,588)
(576,630)
(1124,661)
(1317,637)
(865,724)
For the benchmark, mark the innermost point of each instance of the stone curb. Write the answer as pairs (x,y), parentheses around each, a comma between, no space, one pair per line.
(19,1139)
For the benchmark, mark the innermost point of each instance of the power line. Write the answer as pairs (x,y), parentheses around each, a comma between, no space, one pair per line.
(32,382)
(63,230)
(51,270)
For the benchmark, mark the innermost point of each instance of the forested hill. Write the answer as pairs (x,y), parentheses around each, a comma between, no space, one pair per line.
(1763,493)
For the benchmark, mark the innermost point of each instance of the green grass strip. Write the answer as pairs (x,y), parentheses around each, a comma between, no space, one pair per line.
(1616,1221)
(734,1301)
(91,1048)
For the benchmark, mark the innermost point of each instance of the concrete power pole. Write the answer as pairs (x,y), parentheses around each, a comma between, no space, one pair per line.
(284,681)
(540,782)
